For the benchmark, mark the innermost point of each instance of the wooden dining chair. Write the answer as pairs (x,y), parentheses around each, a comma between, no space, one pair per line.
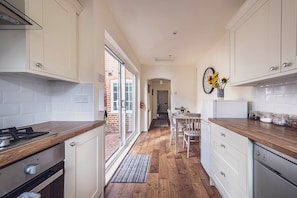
(191,131)
(173,126)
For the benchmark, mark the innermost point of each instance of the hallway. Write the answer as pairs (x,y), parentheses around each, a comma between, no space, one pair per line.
(170,175)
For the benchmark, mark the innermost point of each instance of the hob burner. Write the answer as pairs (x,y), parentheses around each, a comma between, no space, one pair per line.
(13,135)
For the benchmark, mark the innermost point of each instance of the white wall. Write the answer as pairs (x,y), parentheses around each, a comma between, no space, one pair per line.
(95,22)
(218,57)
(183,86)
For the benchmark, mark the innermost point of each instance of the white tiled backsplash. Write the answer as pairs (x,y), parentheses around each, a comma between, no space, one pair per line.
(72,102)
(26,100)
(278,98)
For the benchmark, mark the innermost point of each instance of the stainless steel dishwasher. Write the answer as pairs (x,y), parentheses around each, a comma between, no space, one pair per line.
(275,174)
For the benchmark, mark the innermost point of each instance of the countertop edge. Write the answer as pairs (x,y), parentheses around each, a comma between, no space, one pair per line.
(61,131)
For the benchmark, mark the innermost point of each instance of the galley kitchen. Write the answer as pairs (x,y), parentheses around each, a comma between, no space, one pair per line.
(83,81)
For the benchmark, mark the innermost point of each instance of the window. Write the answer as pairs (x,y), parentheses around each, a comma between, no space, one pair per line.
(115,95)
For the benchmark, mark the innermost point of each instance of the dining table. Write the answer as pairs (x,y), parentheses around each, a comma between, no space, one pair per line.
(179,118)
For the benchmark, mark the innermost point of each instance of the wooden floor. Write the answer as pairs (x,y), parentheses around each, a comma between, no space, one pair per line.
(171,175)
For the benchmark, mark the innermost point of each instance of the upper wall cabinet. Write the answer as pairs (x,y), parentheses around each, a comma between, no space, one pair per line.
(263,41)
(50,52)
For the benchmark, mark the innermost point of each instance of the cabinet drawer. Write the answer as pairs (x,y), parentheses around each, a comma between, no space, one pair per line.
(233,160)
(237,141)
(227,180)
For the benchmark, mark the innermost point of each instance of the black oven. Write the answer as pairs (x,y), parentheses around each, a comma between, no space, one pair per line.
(41,174)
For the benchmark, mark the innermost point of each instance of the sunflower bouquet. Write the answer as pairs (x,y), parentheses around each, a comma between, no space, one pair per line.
(216,81)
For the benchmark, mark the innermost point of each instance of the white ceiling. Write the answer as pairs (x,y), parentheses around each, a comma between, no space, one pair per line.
(149,26)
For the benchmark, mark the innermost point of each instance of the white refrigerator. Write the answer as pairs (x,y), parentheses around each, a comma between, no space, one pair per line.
(217,109)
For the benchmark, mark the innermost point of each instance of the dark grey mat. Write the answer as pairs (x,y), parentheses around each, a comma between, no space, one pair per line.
(156,123)
(133,169)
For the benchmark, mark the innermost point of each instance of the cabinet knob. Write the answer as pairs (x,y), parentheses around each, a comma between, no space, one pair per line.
(39,65)
(223,146)
(223,174)
(223,134)
(273,68)
(72,144)
(286,65)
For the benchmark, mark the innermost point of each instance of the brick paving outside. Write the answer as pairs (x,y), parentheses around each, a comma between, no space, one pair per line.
(111,144)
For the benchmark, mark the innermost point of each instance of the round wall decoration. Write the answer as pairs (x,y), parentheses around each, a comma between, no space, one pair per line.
(206,86)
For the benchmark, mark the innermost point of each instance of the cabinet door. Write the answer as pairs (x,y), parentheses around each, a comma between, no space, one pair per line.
(53,49)
(256,41)
(84,165)
(289,33)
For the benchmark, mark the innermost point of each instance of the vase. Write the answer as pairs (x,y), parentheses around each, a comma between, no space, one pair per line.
(220,93)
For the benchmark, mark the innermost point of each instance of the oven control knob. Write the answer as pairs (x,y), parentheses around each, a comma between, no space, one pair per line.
(32,169)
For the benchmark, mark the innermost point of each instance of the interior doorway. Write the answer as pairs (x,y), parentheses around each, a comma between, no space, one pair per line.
(162,104)
(159,100)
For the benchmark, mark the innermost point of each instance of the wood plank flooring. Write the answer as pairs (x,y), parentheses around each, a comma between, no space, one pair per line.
(171,175)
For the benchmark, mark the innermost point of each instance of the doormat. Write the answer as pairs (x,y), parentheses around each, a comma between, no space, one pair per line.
(133,169)
(156,123)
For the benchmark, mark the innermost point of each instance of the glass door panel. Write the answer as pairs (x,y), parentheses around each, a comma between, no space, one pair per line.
(120,104)
(112,90)
(129,103)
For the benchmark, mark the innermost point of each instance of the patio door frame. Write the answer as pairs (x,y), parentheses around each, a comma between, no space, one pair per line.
(123,107)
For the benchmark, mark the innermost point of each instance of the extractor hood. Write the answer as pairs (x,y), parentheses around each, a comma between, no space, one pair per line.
(12,18)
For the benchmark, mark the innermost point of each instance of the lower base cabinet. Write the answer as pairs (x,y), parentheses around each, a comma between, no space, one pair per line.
(85,165)
(230,169)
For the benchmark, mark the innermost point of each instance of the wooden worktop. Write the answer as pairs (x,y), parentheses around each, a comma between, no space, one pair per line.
(281,138)
(59,132)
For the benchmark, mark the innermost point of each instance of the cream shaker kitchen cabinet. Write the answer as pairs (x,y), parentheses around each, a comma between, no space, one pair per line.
(84,165)
(229,162)
(50,52)
(263,41)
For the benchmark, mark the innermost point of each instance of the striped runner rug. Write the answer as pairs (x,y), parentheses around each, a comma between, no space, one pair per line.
(133,169)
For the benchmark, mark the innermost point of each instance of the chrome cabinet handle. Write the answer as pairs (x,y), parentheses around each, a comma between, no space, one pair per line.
(223,146)
(273,68)
(32,169)
(72,144)
(223,174)
(39,65)
(284,65)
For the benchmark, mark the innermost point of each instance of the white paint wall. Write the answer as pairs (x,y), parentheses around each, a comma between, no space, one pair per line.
(94,21)
(218,57)
(183,86)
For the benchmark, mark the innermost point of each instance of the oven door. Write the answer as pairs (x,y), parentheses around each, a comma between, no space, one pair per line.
(49,184)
